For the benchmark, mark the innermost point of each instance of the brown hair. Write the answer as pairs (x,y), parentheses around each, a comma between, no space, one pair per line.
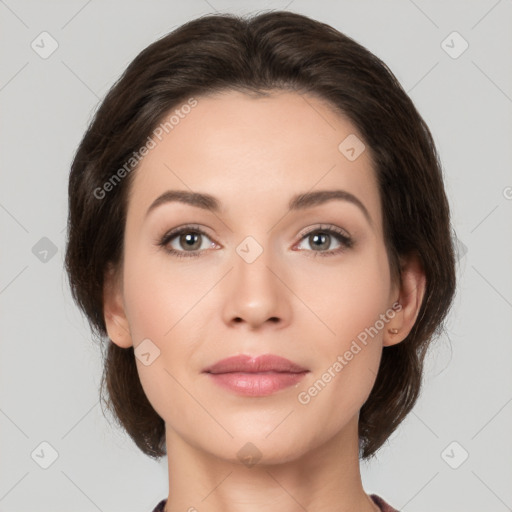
(276,50)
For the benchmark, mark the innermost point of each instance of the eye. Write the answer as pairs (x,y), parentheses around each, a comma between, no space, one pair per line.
(191,241)
(190,238)
(322,237)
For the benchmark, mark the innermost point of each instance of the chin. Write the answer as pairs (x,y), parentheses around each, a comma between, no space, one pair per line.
(251,450)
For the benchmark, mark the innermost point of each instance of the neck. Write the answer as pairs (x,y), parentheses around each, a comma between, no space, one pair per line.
(324,479)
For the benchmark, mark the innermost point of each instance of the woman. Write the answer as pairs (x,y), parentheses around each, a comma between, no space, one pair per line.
(259,231)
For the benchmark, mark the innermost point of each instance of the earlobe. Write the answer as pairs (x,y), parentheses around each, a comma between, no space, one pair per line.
(411,293)
(118,328)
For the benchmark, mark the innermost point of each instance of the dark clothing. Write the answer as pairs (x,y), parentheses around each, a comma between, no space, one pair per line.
(384,507)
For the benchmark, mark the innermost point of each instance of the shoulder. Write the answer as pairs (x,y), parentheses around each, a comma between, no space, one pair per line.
(384,507)
(160,506)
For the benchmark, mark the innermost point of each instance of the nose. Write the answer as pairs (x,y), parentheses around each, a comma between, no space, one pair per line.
(256,294)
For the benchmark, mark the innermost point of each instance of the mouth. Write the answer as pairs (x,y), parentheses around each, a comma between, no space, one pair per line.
(255,376)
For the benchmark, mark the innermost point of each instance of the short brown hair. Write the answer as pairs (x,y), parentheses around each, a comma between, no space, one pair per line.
(276,50)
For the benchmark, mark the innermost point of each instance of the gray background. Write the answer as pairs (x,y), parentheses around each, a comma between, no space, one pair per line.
(49,367)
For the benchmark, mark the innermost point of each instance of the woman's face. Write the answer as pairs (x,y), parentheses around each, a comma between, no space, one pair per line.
(260,274)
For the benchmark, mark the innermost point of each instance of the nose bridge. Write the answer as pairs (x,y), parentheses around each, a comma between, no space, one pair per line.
(252,262)
(255,292)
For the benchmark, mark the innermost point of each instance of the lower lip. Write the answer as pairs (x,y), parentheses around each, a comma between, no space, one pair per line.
(256,384)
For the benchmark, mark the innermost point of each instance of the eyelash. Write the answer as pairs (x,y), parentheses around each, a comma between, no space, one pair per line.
(345,241)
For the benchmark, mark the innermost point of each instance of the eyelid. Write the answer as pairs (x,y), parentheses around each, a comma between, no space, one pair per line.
(324,227)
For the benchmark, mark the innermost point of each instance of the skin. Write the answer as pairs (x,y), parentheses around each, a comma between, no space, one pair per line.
(254,154)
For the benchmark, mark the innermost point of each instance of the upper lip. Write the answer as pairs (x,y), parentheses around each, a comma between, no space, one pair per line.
(251,364)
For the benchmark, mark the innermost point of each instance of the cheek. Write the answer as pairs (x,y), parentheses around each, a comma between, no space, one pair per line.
(346,298)
(158,298)
(349,302)
(346,362)
(162,305)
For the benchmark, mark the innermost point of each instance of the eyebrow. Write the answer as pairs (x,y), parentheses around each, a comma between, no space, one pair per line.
(297,202)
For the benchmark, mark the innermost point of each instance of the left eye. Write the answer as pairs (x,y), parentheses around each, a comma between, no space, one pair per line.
(321,239)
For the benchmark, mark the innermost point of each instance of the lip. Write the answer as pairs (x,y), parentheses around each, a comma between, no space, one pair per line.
(255,376)
(249,364)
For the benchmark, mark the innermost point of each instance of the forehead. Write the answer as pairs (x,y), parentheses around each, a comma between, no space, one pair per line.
(253,152)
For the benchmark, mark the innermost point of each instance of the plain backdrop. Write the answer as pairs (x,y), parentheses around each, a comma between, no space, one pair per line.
(58,60)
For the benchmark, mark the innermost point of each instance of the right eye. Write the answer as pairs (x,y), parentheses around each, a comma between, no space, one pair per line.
(189,237)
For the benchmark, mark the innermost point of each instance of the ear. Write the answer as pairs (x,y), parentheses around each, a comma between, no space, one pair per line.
(116,322)
(411,292)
